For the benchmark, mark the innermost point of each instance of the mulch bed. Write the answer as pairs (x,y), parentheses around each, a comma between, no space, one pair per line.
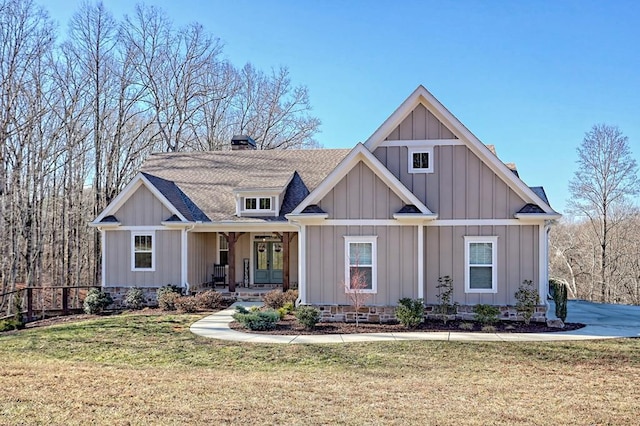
(290,326)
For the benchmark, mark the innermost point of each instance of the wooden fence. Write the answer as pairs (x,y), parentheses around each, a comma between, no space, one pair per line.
(40,302)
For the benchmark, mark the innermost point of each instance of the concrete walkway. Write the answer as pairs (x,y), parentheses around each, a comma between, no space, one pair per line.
(216,326)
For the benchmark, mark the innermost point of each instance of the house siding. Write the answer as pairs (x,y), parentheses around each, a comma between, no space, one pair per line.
(518,257)
(461,186)
(419,125)
(142,209)
(361,194)
(201,257)
(167,260)
(397,267)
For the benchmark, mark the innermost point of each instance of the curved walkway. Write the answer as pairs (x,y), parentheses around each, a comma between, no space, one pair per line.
(216,326)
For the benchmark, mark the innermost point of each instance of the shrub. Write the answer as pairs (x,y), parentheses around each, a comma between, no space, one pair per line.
(560,298)
(209,300)
(526,300)
(289,307)
(488,329)
(11,324)
(465,326)
(188,304)
(96,301)
(486,314)
(135,298)
(410,312)
(291,296)
(282,312)
(275,299)
(259,320)
(167,296)
(308,316)
(445,293)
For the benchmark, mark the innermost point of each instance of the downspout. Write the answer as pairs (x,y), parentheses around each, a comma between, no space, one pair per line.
(421,262)
(543,288)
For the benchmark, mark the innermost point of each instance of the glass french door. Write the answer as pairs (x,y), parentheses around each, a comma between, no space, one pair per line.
(267,257)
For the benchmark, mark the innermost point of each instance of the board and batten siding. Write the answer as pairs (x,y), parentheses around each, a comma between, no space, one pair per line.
(202,248)
(361,195)
(142,209)
(397,275)
(420,125)
(167,260)
(518,256)
(461,186)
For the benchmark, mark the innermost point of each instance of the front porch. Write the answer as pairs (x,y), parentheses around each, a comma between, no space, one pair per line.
(243,264)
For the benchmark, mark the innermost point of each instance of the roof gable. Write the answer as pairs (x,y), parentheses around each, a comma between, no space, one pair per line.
(139,180)
(357,155)
(422,96)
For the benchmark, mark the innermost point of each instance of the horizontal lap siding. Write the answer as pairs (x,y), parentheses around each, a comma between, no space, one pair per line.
(142,209)
(167,260)
(396,263)
(518,252)
(461,187)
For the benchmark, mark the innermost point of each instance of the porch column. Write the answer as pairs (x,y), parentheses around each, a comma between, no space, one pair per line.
(285,261)
(232,239)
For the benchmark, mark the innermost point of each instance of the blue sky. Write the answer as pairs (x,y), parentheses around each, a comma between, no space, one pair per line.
(530,77)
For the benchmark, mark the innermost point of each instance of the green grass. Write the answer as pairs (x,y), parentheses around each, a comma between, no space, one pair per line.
(149,369)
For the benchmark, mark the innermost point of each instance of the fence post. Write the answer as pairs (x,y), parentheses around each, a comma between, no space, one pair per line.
(65,300)
(29,303)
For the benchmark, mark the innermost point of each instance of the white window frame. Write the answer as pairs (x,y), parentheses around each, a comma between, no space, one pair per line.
(258,209)
(494,264)
(151,234)
(421,150)
(222,240)
(348,240)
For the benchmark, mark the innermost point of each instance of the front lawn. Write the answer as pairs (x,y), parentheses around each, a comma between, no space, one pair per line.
(149,369)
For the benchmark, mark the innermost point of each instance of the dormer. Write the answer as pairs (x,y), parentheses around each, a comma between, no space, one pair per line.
(257,202)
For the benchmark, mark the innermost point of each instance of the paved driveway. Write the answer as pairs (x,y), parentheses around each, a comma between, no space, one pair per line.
(603,314)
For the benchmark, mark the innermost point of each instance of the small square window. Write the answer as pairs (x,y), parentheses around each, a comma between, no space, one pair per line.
(250,203)
(421,160)
(265,203)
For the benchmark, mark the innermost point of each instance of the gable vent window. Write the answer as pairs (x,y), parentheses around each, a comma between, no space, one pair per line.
(420,160)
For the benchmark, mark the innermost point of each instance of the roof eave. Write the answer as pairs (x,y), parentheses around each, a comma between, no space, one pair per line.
(537,217)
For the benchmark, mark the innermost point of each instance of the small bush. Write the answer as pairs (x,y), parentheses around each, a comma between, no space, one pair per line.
(410,312)
(445,295)
(167,296)
(291,296)
(560,298)
(526,300)
(209,300)
(289,307)
(465,326)
(135,298)
(274,299)
(11,324)
(96,301)
(282,312)
(486,314)
(259,320)
(308,316)
(488,329)
(187,304)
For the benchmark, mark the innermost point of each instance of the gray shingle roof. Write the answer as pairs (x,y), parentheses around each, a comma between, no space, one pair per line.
(202,183)
(539,191)
(531,208)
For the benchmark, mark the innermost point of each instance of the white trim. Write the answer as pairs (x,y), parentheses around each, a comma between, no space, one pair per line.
(183,256)
(374,262)
(420,261)
(424,97)
(536,217)
(244,226)
(420,150)
(420,143)
(271,209)
(543,261)
(154,242)
(128,191)
(302,264)
(103,240)
(494,265)
(361,154)
(144,228)
(364,222)
(475,222)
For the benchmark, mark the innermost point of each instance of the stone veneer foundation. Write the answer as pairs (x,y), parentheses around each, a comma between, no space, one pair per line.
(118,294)
(382,314)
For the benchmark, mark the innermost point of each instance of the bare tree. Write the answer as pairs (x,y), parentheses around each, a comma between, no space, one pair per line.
(607,175)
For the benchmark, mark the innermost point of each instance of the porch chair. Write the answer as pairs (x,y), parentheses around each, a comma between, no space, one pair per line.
(219,275)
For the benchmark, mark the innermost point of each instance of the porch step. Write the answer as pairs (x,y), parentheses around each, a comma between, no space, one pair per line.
(245,295)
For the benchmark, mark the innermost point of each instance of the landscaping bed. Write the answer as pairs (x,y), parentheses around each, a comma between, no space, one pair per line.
(290,326)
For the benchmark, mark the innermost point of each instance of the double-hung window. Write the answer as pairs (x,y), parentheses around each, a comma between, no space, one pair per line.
(143,251)
(481,264)
(361,263)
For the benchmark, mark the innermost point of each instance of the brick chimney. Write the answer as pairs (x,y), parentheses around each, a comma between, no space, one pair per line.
(242,142)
